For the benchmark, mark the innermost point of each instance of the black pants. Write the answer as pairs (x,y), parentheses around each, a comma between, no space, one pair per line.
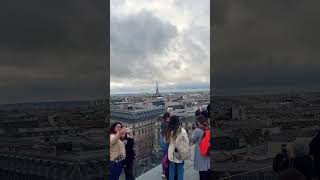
(128,170)
(204,175)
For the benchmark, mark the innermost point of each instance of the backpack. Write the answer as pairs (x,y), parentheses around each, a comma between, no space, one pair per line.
(205,143)
(182,147)
(165,165)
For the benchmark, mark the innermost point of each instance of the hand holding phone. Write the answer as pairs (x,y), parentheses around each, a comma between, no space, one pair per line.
(123,131)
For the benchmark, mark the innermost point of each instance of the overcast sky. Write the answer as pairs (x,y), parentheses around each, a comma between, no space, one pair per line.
(52,50)
(266,45)
(159,40)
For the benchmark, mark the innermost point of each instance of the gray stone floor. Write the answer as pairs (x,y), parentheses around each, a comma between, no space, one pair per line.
(155,173)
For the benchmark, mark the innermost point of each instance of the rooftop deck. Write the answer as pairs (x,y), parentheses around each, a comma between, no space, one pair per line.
(155,173)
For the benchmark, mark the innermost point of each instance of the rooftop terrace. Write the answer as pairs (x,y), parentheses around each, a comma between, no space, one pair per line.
(155,173)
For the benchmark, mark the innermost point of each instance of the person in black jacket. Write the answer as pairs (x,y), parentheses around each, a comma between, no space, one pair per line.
(130,156)
(315,152)
(302,161)
(281,161)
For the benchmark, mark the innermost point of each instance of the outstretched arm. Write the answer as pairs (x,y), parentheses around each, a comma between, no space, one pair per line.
(114,138)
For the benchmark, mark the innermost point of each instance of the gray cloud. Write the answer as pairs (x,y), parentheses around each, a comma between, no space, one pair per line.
(134,41)
(266,44)
(52,50)
(159,40)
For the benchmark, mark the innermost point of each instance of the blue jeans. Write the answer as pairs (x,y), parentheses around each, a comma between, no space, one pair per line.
(115,170)
(176,168)
(164,146)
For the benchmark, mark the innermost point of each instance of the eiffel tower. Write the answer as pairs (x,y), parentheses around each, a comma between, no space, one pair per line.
(157,94)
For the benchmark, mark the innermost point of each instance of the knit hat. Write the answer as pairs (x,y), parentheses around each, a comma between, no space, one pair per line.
(202,120)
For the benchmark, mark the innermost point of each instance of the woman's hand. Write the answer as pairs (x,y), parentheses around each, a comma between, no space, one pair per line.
(123,131)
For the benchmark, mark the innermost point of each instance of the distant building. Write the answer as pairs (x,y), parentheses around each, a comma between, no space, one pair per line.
(175,105)
(158,102)
(142,121)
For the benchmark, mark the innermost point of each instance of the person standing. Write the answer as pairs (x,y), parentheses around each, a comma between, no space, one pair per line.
(130,156)
(302,161)
(163,143)
(179,148)
(201,160)
(117,150)
(315,152)
(281,160)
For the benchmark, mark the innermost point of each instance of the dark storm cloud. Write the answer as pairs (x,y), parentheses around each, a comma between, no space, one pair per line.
(134,41)
(52,50)
(267,43)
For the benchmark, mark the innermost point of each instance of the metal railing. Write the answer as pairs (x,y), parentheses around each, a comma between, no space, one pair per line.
(264,173)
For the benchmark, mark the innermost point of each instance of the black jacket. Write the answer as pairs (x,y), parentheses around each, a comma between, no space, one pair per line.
(280,162)
(130,152)
(304,165)
(315,150)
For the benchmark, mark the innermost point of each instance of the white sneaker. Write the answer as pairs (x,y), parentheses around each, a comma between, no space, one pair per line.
(163,175)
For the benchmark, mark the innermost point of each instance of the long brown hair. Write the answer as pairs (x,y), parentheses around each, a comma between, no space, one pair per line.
(173,128)
(113,127)
(165,116)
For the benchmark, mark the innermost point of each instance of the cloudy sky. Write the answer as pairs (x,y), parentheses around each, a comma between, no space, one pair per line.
(166,41)
(52,50)
(265,45)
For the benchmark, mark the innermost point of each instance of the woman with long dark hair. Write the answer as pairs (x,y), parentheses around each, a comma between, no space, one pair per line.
(179,149)
(117,150)
(163,144)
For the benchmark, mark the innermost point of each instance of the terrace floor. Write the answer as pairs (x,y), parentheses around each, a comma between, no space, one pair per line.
(155,173)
